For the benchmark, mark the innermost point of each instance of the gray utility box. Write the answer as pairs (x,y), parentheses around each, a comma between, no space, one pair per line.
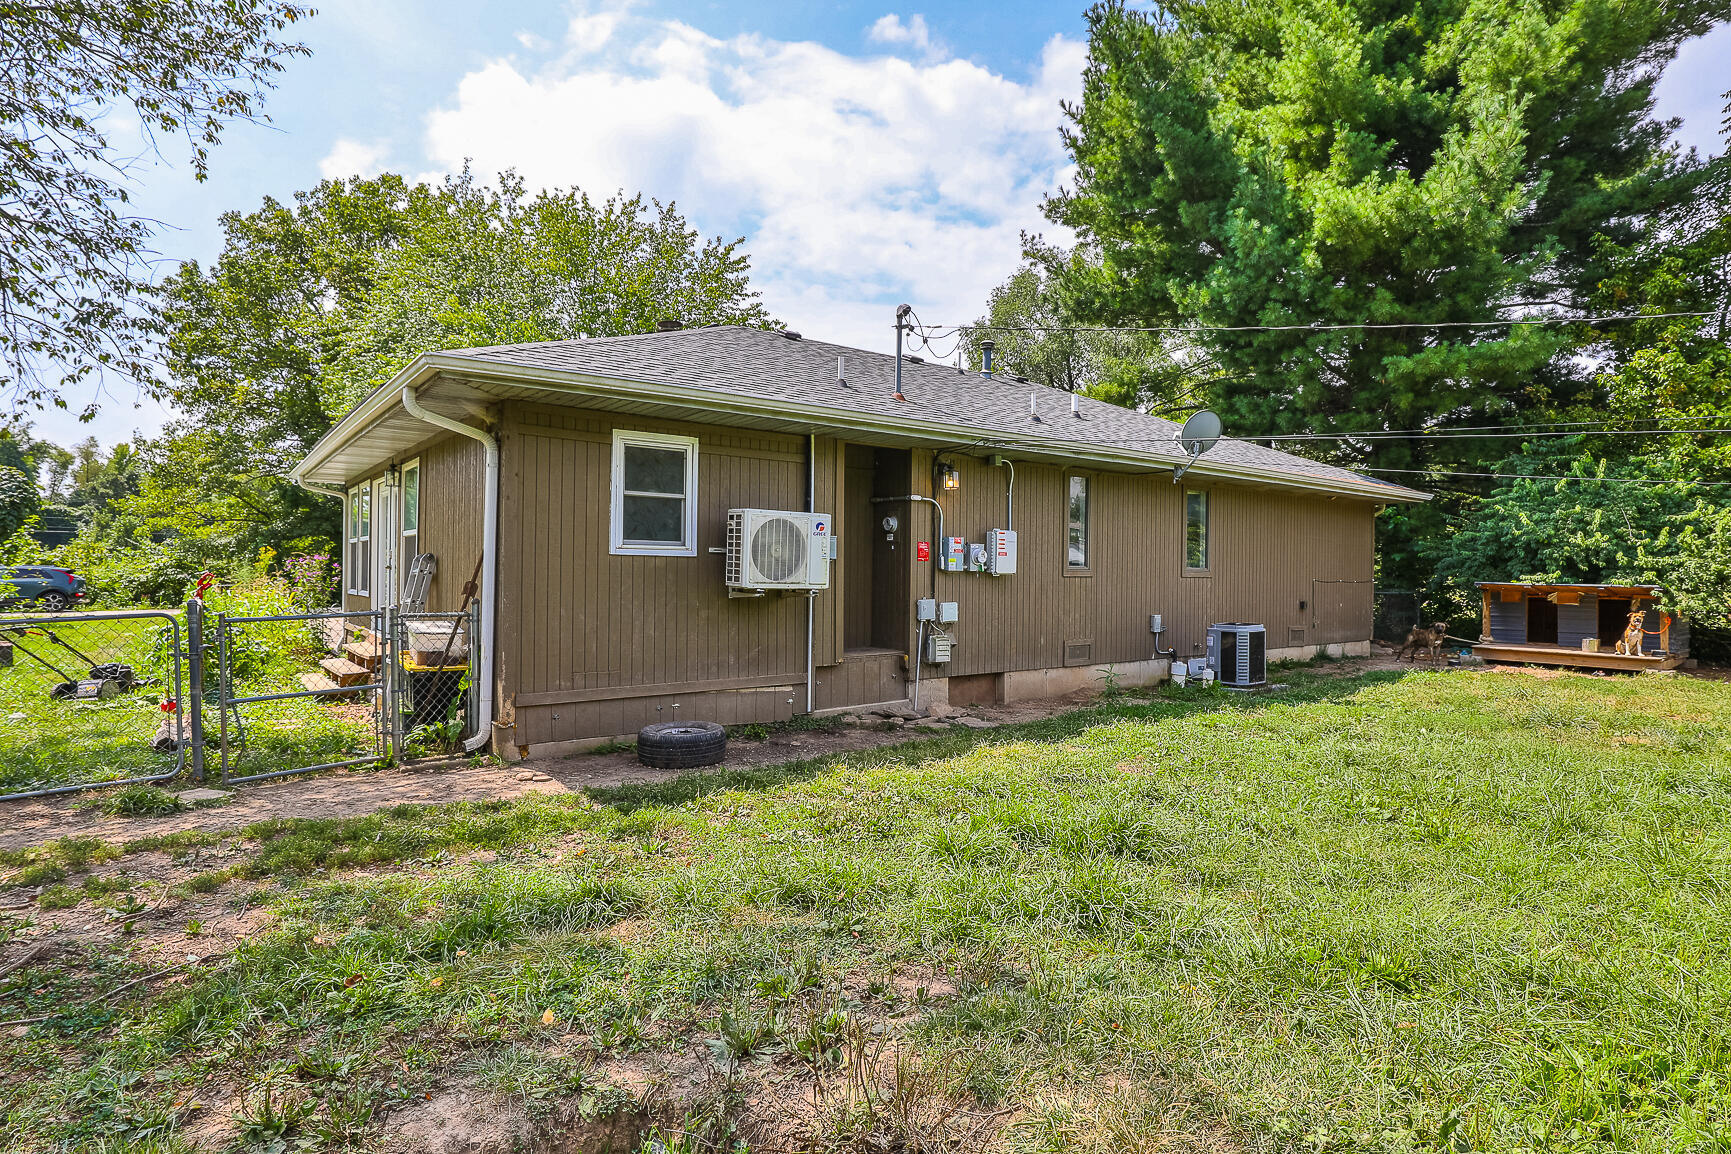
(1237,652)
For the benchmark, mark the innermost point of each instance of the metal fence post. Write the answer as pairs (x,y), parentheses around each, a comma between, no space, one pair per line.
(195,685)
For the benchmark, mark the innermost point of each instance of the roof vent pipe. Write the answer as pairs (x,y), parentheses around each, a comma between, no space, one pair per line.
(841,371)
(669,325)
(986,347)
(1033,406)
(1075,406)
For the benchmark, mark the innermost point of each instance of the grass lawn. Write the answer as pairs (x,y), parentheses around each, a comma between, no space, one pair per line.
(1479,911)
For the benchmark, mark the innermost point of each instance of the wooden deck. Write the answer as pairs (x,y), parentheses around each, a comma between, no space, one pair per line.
(1559,655)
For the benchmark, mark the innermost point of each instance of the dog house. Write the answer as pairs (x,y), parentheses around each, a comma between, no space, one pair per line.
(1583,626)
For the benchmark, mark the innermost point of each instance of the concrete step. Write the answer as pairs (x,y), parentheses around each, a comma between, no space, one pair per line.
(344,672)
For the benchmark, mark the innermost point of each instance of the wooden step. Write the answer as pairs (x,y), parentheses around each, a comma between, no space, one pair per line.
(310,680)
(346,673)
(366,654)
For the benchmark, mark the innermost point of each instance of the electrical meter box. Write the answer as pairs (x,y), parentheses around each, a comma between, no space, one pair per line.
(1000,551)
(938,645)
(955,554)
(976,557)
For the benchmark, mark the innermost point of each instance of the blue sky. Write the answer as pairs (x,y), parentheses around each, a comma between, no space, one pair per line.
(869,155)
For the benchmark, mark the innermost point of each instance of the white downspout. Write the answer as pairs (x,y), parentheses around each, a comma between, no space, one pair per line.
(489,557)
(811,597)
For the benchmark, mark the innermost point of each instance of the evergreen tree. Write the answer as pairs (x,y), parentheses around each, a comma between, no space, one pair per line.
(1311,162)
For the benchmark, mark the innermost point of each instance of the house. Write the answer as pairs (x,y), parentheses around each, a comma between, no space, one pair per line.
(1578,625)
(591,483)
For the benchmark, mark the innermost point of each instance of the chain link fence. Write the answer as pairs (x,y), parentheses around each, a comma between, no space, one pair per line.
(89,700)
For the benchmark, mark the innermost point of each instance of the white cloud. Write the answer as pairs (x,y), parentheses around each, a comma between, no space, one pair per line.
(858,182)
(349,157)
(889,29)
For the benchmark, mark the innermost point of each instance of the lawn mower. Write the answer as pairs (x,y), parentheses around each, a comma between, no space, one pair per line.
(105,680)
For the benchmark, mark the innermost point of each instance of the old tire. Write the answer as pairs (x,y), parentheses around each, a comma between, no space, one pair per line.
(681,744)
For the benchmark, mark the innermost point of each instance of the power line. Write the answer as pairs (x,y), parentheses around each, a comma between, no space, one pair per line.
(1538,477)
(940,332)
(1469,436)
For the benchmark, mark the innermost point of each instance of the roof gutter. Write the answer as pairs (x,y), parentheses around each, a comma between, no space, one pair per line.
(489,558)
(569,383)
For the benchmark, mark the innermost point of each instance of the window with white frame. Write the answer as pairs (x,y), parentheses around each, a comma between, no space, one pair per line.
(360,556)
(411,500)
(654,494)
(1196,531)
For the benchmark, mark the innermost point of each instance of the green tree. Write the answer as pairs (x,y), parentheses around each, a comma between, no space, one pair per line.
(1308,162)
(71,259)
(311,305)
(1036,335)
(18,500)
(497,266)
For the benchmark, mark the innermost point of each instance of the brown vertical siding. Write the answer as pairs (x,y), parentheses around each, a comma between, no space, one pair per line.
(581,625)
(591,643)
(1270,550)
(453,483)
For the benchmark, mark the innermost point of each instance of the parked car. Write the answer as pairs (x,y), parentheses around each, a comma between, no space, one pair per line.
(49,586)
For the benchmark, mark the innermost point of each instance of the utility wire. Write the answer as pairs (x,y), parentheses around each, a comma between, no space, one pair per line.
(1451,435)
(939,330)
(1538,477)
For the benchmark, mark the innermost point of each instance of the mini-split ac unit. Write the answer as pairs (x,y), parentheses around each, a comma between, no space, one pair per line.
(1237,653)
(777,549)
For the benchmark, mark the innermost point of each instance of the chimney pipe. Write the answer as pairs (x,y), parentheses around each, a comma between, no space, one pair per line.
(986,347)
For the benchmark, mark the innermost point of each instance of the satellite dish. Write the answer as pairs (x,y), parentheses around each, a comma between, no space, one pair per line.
(1200,432)
(1198,435)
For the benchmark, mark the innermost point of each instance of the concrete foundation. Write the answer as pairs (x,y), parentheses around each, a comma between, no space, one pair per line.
(1031,684)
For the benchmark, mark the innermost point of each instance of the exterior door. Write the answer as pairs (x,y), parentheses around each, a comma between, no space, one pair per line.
(387,543)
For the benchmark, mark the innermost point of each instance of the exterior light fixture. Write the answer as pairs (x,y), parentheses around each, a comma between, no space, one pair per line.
(951,479)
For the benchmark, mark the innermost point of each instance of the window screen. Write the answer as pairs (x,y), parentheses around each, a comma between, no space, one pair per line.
(411,500)
(1077,557)
(654,483)
(1195,529)
(360,558)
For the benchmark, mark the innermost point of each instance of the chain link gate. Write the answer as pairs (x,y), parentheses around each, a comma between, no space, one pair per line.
(276,717)
(90,700)
(433,698)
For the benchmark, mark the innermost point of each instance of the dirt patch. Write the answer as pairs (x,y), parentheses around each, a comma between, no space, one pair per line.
(351,793)
(466,1120)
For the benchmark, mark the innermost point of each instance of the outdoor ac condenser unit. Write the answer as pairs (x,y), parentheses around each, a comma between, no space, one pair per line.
(1237,653)
(777,549)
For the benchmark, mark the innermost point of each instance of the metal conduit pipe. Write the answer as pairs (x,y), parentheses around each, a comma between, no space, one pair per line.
(489,559)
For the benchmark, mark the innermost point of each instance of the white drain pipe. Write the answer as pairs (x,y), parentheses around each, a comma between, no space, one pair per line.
(489,558)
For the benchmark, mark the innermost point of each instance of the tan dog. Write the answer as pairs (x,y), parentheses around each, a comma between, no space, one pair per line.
(1429,638)
(1631,642)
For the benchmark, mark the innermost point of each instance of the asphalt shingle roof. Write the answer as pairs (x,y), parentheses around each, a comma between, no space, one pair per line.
(766,365)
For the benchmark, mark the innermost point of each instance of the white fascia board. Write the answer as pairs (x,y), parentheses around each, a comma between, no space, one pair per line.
(824,417)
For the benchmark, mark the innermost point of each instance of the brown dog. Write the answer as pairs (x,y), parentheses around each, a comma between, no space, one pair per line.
(1429,638)
(1631,642)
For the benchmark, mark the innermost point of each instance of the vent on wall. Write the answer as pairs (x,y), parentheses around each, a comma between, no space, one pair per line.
(1079,652)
